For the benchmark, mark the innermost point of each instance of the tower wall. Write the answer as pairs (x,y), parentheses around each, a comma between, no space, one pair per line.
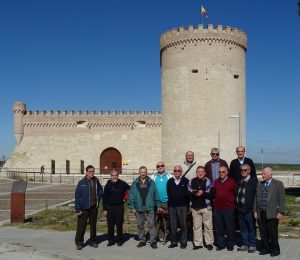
(203,84)
(19,110)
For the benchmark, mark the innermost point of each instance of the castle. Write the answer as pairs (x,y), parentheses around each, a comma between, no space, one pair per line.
(203,95)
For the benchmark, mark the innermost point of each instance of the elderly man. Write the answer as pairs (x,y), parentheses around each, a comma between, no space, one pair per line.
(189,165)
(235,165)
(212,167)
(160,179)
(143,199)
(201,209)
(245,200)
(224,205)
(87,197)
(269,209)
(115,192)
(178,194)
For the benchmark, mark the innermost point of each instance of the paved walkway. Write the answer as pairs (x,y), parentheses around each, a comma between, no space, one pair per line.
(28,244)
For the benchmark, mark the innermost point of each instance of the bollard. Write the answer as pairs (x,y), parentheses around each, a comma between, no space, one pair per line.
(17,203)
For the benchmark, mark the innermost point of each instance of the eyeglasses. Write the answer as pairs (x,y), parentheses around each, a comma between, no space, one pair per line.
(244,170)
(177,170)
(91,171)
(160,166)
(221,171)
(214,154)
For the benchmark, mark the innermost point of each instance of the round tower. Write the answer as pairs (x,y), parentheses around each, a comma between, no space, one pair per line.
(203,92)
(19,110)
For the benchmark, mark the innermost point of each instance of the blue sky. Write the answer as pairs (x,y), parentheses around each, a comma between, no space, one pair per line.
(104,55)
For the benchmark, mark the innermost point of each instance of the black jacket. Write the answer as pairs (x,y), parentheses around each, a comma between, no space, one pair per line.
(235,169)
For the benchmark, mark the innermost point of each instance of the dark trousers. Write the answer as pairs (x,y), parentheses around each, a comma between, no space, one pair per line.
(115,216)
(90,214)
(224,224)
(178,217)
(247,228)
(268,229)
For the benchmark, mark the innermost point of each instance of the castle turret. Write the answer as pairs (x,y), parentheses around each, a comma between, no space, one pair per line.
(19,110)
(203,91)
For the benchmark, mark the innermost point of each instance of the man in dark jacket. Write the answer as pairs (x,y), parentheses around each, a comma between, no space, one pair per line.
(212,167)
(202,194)
(269,209)
(87,197)
(245,199)
(178,194)
(235,165)
(115,193)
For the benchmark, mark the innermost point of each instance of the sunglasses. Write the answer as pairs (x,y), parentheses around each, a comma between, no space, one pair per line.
(214,154)
(177,170)
(221,171)
(244,170)
(160,166)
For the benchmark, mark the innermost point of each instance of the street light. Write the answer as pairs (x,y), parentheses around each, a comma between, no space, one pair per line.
(240,132)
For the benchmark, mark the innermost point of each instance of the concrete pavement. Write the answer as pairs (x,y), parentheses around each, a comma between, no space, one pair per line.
(28,244)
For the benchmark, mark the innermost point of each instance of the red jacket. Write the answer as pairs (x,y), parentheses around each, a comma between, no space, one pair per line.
(225,194)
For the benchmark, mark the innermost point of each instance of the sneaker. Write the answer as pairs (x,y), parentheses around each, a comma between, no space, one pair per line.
(153,245)
(252,249)
(243,248)
(94,245)
(209,247)
(141,244)
(79,247)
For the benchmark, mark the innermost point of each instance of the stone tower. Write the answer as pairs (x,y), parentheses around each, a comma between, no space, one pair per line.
(19,110)
(203,92)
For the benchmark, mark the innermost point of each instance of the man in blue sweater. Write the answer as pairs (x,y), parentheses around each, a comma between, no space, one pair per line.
(87,197)
(178,194)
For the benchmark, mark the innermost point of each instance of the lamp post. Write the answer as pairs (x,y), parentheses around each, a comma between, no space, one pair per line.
(240,128)
(219,139)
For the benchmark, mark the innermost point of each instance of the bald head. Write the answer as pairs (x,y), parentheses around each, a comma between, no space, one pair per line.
(267,173)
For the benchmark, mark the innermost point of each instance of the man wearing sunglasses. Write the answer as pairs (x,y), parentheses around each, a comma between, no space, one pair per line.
(212,167)
(245,200)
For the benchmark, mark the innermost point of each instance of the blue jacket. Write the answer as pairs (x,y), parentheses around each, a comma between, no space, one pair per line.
(135,199)
(82,194)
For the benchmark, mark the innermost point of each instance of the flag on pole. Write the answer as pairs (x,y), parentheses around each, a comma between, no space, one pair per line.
(203,11)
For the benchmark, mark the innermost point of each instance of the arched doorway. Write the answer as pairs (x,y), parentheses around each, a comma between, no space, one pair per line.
(110,158)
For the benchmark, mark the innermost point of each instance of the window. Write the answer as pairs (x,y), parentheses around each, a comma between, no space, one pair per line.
(67,166)
(53,166)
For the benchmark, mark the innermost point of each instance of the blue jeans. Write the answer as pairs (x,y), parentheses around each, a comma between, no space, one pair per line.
(247,227)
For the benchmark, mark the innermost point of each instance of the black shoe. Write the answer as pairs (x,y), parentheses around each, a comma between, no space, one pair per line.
(197,247)
(141,244)
(264,253)
(120,243)
(274,254)
(209,247)
(219,248)
(94,245)
(183,246)
(229,248)
(110,243)
(153,245)
(172,246)
(79,247)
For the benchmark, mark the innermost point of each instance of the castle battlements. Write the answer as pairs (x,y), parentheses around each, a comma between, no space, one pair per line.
(213,33)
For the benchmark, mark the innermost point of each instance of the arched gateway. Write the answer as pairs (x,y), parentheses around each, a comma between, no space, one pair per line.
(110,158)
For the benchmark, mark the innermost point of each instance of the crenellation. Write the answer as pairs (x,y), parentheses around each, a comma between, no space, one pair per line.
(180,36)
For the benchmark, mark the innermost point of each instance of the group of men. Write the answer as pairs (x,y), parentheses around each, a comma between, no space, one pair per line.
(215,194)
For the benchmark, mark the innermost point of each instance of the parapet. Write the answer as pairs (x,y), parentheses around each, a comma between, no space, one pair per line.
(213,33)
(19,107)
